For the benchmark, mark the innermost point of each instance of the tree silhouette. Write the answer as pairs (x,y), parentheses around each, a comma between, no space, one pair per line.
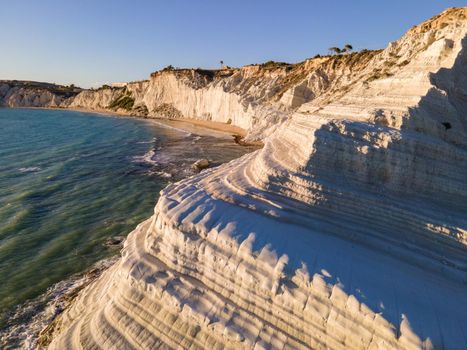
(336,50)
(348,47)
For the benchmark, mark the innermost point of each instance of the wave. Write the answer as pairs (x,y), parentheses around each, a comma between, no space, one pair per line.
(187,133)
(154,139)
(31,169)
(42,310)
(146,158)
(164,174)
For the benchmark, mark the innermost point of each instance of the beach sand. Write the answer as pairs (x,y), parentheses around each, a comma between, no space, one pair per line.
(188,124)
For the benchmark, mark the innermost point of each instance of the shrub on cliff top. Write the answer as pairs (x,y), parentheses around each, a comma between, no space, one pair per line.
(123,101)
(274,64)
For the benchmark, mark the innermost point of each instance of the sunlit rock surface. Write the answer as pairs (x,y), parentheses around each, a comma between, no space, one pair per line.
(17,93)
(348,230)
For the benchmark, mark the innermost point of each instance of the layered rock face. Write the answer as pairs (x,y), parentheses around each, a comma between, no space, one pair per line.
(257,98)
(34,94)
(348,230)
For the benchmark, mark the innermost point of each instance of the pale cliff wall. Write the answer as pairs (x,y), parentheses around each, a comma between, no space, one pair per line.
(348,230)
(33,94)
(94,99)
(256,98)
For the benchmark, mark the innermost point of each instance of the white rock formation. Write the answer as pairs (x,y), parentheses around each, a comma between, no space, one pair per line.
(33,94)
(97,100)
(257,98)
(348,230)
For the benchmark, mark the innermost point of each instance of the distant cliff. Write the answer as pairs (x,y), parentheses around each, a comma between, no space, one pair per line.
(256,98)
(19,93)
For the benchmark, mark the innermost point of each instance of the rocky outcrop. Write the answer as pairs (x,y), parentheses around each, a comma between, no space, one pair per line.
(14,93)
(348,230)
(200,164)
(98,100)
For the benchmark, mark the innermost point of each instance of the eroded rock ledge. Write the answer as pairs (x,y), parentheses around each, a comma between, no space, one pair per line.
(348,230)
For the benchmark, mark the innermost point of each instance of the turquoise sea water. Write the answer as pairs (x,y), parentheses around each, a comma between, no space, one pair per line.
(69,181)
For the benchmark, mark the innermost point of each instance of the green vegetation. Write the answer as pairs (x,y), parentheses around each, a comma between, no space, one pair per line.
(59,90)
(206,72)
(103,87)
(274,64)
(349,55)
(141,109)
(123,101)
(168,68)
(378,74)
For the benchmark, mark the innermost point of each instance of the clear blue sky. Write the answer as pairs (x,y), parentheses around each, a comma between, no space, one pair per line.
(91,42)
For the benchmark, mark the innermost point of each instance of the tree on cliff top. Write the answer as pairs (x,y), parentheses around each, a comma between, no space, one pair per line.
(338,51)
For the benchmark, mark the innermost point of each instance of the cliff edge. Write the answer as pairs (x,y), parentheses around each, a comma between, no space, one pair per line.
(348,230)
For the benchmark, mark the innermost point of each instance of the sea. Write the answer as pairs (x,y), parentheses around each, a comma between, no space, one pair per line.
(72,186)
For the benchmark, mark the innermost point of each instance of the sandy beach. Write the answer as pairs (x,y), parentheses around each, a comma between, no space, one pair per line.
(217,129)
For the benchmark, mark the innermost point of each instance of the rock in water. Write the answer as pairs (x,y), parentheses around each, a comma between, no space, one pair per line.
(348,230)
(200,164)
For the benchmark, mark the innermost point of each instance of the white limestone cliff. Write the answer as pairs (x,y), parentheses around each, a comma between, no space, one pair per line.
(33,94)
(348,230)
(257,98)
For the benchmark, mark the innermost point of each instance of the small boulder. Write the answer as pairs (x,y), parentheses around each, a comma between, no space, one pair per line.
(115,241)
(200,164)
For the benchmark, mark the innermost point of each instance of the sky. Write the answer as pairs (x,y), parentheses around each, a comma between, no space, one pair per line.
(92,42)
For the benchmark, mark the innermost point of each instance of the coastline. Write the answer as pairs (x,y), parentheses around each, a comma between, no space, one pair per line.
(346,230)
(61,294)
(34,331)
(187,124)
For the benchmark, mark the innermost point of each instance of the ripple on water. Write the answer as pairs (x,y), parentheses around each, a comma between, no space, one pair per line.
(72,185)
(31,169)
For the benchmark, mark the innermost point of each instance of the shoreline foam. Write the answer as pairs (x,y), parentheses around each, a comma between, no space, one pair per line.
(41,312)
(63,292)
